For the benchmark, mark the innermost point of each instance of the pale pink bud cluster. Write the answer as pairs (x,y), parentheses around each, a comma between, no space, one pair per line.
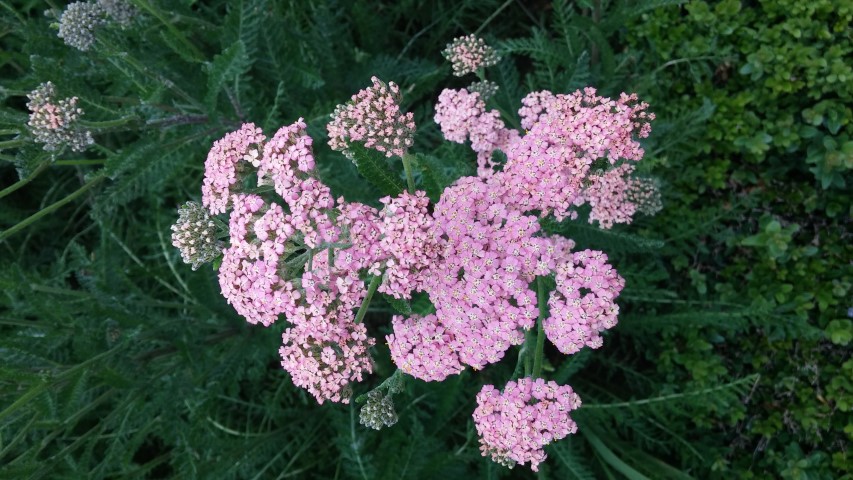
(583,304)
(462,115)
(194,235)
(422,347)
(409,245)
(468,54)
(55,122)
(373,117)
(515,425)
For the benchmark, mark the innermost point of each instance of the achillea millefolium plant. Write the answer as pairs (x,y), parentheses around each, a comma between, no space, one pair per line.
(407,217)
(298,254)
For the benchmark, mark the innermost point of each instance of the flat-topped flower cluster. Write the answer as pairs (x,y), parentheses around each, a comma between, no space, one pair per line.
(479,253)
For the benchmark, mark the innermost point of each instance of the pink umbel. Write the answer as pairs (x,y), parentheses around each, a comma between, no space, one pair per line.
(462,116)
(584,302)
(221,169)
(515,425)
(409,244)
(422,347)
(373,117)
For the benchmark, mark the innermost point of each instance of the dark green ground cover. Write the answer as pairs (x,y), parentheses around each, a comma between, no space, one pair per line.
(731,359)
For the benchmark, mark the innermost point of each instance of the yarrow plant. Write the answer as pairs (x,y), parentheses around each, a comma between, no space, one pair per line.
(296,253)
(55,122)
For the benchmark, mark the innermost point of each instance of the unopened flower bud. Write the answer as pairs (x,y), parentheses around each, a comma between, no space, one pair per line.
(194,234)
(485,88)
(78,23)
(54,122)
(378,411)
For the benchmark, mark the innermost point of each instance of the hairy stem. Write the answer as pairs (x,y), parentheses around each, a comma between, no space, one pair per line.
(81,161)
(107,124)
(20,183)
(52,208)
(407,166)
(17,142)
(540,334)
(362,310)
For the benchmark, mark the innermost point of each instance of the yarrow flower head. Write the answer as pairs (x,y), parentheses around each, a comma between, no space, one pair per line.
(422,348)
(462,115)
(78,23)
(325,358)
(222,169)
(584,302)
(378,411)
(470,53)
(515,425)
(194,235)
(55,122)
(373,117)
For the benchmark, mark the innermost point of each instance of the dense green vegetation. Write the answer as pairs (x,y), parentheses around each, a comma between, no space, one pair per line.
(731,358)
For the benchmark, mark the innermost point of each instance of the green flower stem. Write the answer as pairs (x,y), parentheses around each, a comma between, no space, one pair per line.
(82,161)
(540,334)
(108,124)
(52,208)
(362,310)
(14,143)
(20,183)
(407,166)
(9,131)
(528,351)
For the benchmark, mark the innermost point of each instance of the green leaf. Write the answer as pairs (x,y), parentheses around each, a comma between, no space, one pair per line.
(401,305)
(227,66)
(610,458)
(373,166)
(840,331)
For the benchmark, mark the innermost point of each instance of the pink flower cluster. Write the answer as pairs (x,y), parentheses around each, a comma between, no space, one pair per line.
(55,122)
(462,115)
(615,196)
(515,425)
(422,347)
(373,117)
(409,245)
(583,303)
(475,254)
(222,166)
(278,258)
(480,285)
(607,195)
(470,53)
(567,133)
